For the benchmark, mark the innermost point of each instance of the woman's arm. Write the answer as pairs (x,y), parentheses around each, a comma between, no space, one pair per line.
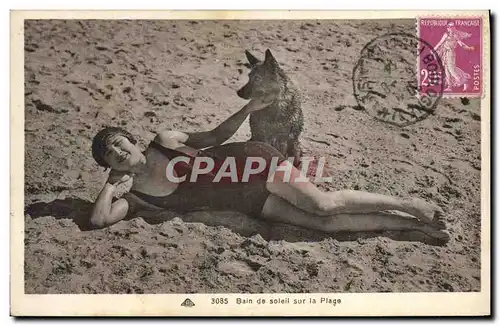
(221,133)
(224,131)
(105,212)
(216,136)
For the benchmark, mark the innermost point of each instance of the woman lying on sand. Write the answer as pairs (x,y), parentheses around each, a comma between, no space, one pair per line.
(292,201)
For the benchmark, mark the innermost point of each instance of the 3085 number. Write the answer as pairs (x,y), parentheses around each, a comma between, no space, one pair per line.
(220,301)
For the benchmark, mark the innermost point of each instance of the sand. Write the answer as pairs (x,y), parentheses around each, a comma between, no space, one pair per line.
(148,76)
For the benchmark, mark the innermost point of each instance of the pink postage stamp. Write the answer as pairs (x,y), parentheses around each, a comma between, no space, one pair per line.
(458,43)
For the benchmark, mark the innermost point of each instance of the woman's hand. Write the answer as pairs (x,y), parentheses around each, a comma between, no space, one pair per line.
(117,178)
(260,103)
(470,48)
(104,211)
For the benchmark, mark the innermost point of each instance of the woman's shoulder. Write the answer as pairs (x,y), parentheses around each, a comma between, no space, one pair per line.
(169,138)
(161,142)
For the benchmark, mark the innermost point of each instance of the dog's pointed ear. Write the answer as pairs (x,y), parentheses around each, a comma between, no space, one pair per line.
(270,59)
(251,58)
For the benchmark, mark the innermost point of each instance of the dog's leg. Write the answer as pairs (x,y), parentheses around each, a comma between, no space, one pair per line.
(294,150)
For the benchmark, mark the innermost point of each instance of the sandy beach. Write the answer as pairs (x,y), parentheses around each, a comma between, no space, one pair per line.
(149,76)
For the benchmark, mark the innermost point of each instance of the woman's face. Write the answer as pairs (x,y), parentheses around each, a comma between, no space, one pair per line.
(121,154)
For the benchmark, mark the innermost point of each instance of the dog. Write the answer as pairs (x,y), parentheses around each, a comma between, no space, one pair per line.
(281,123)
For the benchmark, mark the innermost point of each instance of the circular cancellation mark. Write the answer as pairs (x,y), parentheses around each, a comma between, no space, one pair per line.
(387,82)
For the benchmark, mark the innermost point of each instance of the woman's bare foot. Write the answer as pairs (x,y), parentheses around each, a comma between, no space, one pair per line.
(438,235)
(426,212)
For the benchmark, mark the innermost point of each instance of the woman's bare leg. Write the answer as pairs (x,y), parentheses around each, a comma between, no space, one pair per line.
(307,197)
(278,209)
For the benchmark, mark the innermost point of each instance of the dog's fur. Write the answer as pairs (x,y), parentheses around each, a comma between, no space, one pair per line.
(281,123)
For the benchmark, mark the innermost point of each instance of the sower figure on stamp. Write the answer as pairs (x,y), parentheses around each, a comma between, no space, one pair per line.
(446,49)
(288,200)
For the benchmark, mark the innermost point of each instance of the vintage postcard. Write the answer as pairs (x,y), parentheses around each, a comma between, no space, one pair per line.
(250,163)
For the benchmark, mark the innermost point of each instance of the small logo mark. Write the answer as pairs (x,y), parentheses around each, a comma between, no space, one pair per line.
(188,303)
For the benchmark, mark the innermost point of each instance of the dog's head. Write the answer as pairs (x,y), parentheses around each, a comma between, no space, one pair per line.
(264,77)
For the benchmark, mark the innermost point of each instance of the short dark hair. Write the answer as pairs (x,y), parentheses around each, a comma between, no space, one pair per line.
(100,143)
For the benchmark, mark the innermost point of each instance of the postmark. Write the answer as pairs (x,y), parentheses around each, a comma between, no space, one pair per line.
(458,42)
(385,82)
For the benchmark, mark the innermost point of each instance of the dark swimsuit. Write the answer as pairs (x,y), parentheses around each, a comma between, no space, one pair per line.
(245,197)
